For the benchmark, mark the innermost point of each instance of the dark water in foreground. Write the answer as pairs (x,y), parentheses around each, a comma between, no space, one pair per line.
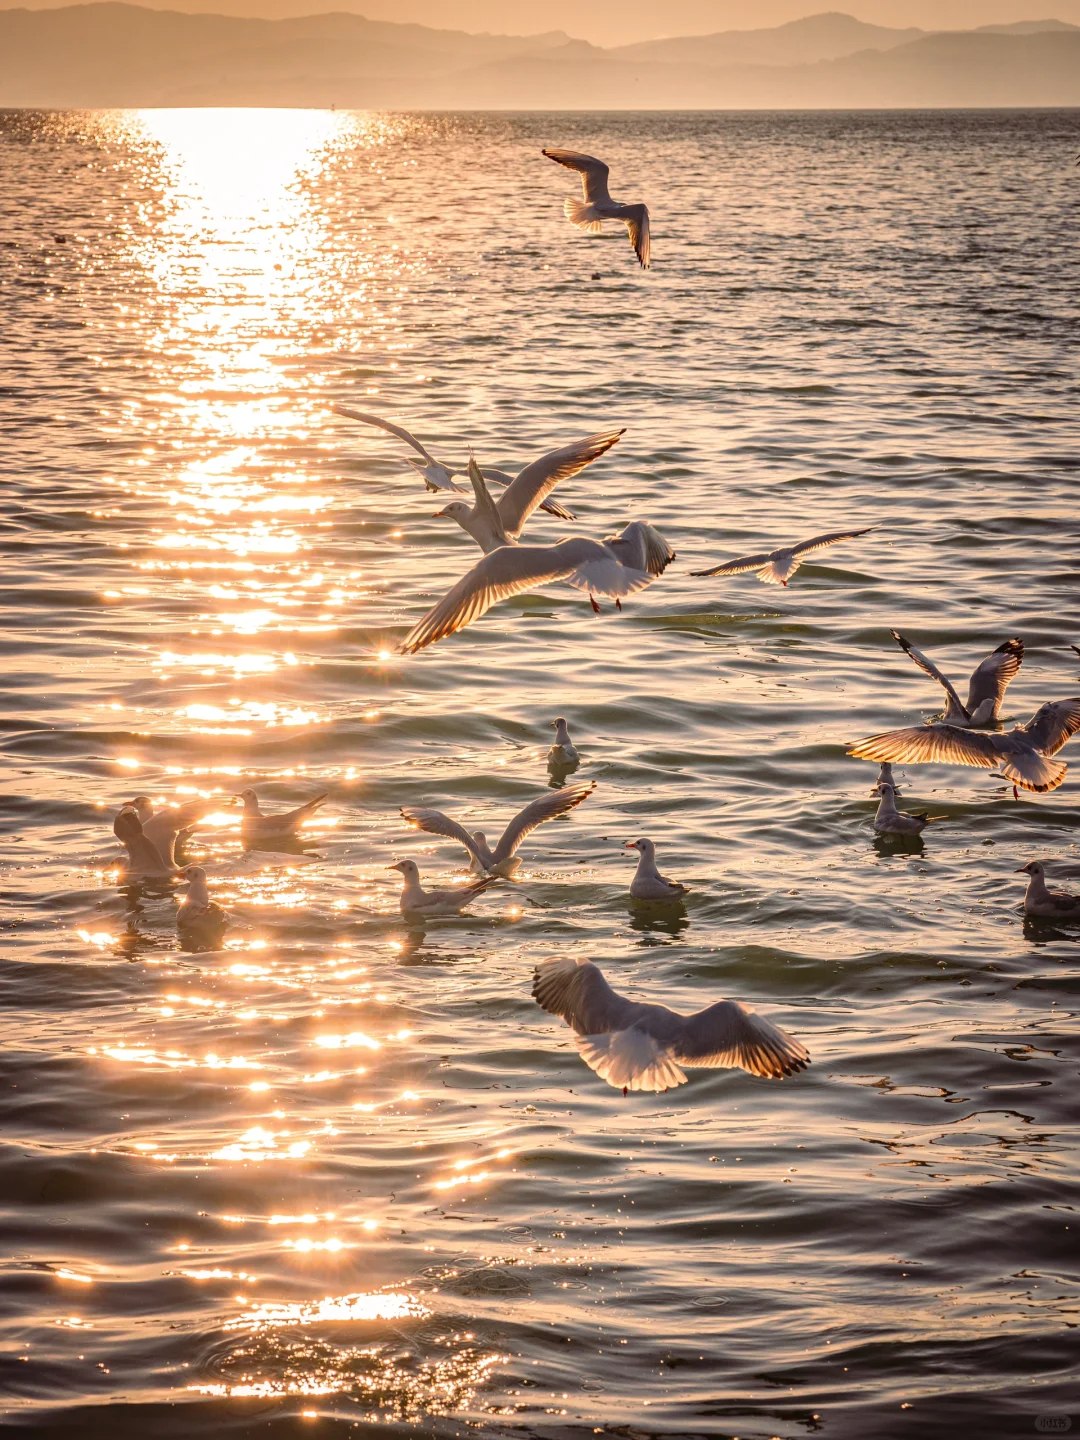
(344,1174)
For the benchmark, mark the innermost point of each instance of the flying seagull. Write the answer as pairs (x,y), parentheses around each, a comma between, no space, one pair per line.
(776,567)
(620,565)
(439,477)
(1023,753)
(491,522)
(635,1046)
(986,688)
(503,860)
(597,205)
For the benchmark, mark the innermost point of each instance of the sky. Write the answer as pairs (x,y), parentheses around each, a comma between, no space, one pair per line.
(613,22)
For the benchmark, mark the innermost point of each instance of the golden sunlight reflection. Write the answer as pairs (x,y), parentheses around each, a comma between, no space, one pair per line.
(379,1305)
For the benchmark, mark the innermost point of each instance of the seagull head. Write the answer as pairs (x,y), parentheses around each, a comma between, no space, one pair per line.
(143,807)
(885,787)
(456,510)
(1033,867)
(246,797)
(644,847)
(480,838)
(407,867)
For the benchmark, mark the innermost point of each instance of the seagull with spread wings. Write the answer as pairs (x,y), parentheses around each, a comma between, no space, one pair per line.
(1023,754)
(596,204)
(620,565)
(491,522)
(986,688)
(503,860)
(636,1046)
(439,477)
(776,567)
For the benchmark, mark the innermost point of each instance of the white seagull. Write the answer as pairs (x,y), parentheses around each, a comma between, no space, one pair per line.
(503,860)
(197,911)
(986,688)
(256,826)
(415,900)
(1023,753)
(145,860)
(620,565)
(776,567)
(563,751)
(491,522)
(439,477)
(1044,903)
(596,204)
(167,828)
(891,821)
(648,883)
(635,1046)
(885,777)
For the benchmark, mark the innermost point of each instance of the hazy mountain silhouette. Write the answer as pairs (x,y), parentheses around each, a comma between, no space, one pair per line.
(123,55)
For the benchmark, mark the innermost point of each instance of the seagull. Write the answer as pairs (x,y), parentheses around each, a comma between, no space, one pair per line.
(503,860)
(197,911)
(635,1046)
(986,688)
(885,777)
(1044,903)
(492,523)
(168,829)
(1023,753)
(440,477)
(619,565)
(144,858)
(648,883)
(563,751)
(256,826)
(891,821)
(776,567)
(415,900)
(597,204)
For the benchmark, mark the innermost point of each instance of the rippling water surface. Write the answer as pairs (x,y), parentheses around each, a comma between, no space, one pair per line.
(343,1172)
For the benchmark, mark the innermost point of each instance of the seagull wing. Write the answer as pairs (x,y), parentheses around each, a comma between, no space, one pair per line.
(500,477)
(510,570)
(640,546)
(485,505)
(991,679)
(739,567)
(594,173)
(731,1034)
(531,486)
(931,745)
(436,823)
(637,224)
(929,668)
(821,542)
(576,991)
(1052,724)
(544,807)
(391,429)
(127,827)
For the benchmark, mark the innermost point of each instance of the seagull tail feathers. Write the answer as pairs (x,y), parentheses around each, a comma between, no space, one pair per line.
(630,1060)
(580,213)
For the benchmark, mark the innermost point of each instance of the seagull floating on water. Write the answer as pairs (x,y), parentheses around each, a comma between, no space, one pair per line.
(636,1046)
(891,821)
(986,688)
(492,523)
(168,829)
(1044,903)
(440,477)
(197,912)
(563,751)
(620,565)
(885,777)
(596,204)
(648,883)
(503,860)
(776,567)
(145,860)
(415,900)
(257,826)
(1023,753)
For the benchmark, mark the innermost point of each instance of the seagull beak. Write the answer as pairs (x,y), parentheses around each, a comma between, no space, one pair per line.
(1023,870)
(630,845)
(439,515)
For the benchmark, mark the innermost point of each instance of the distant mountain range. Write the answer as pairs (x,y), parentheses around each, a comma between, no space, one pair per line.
(123,55)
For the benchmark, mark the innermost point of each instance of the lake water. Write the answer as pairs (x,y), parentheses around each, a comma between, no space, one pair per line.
(345,1175)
